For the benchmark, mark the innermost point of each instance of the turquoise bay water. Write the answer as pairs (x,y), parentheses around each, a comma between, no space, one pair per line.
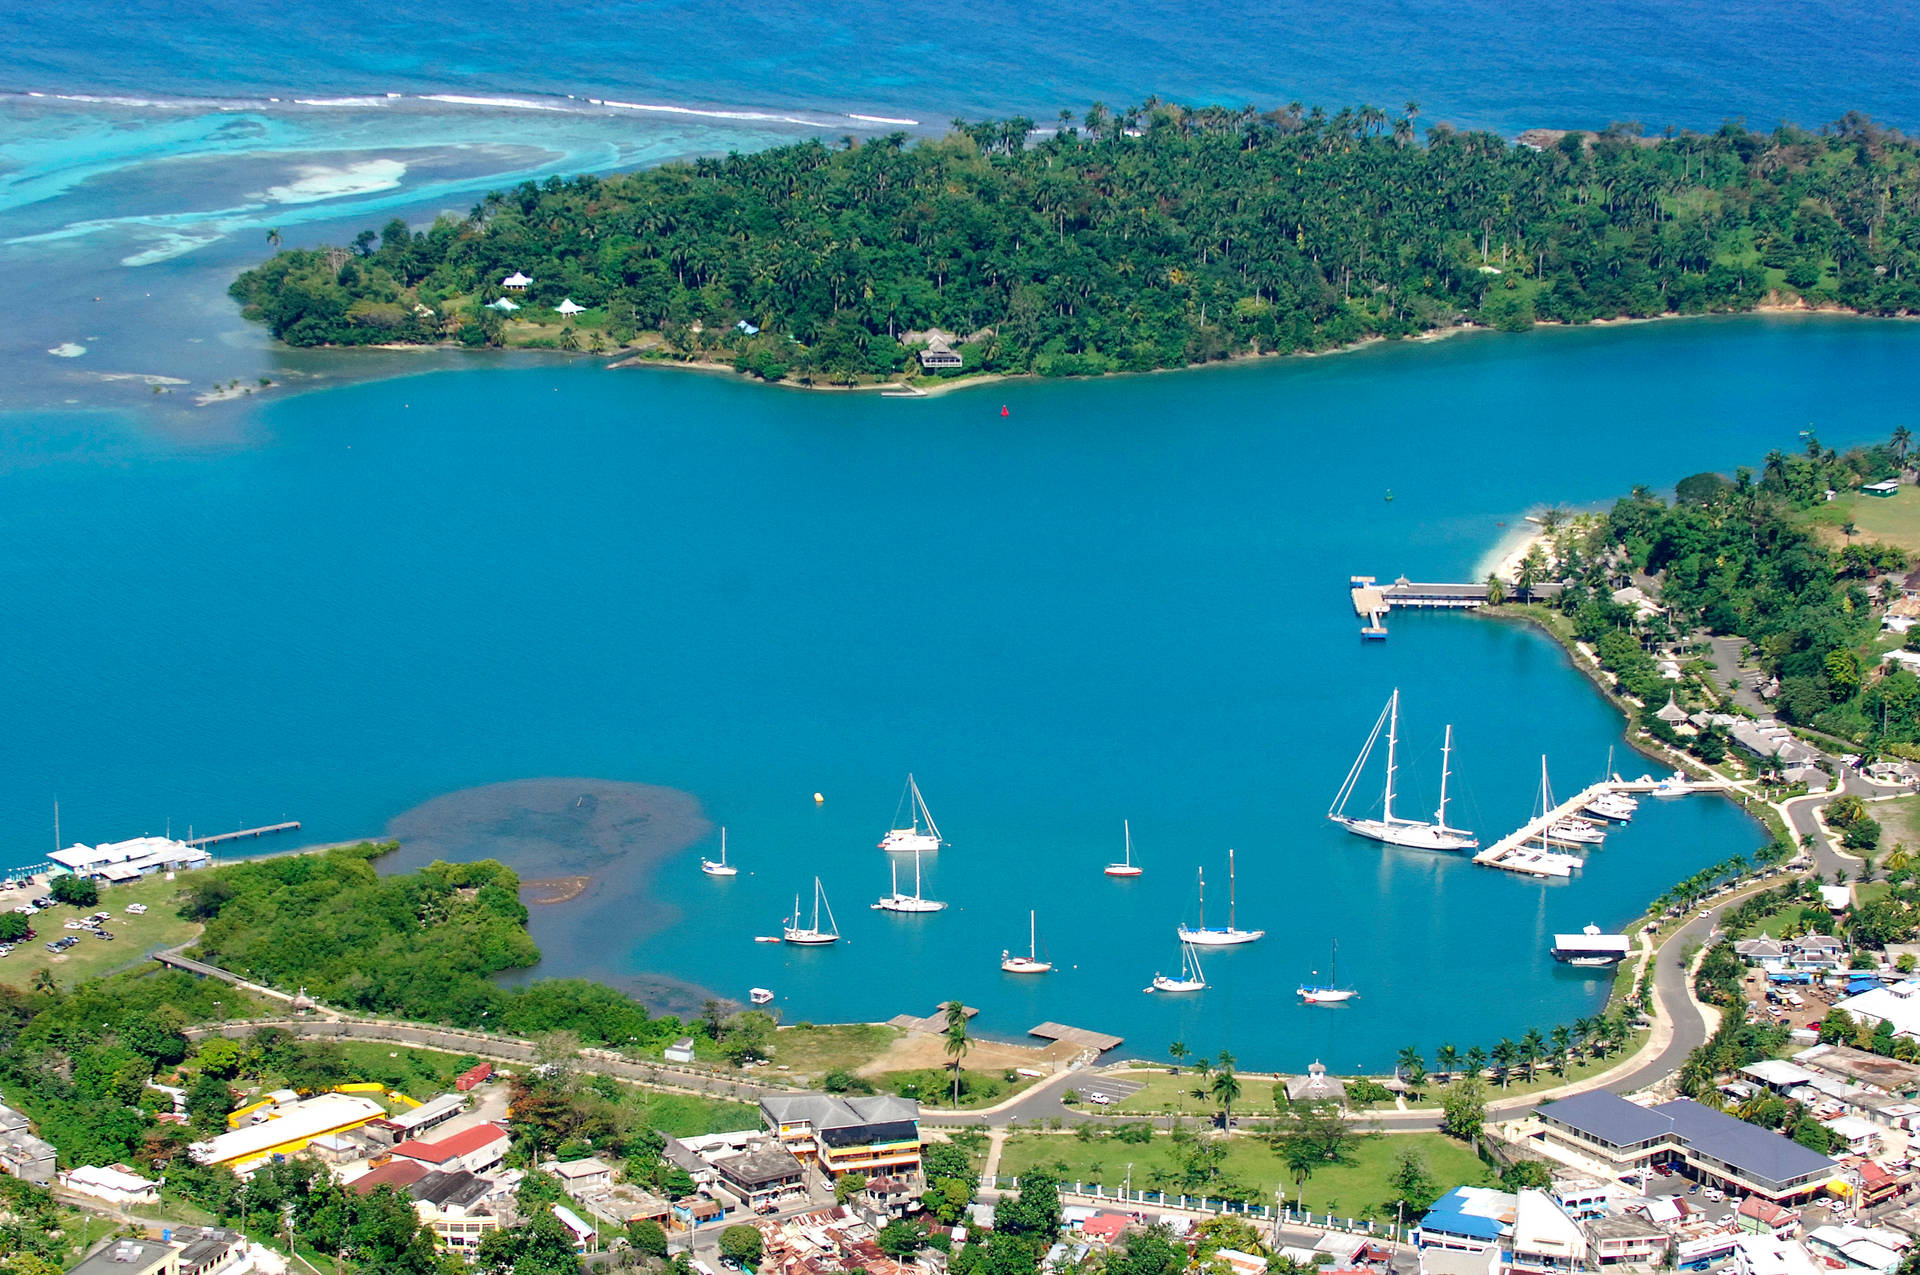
(1124,599)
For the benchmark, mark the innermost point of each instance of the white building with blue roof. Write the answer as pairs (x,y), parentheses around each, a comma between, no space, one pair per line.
(1469,1218)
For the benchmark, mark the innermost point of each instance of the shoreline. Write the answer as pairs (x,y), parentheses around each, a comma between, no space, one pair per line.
(629,357)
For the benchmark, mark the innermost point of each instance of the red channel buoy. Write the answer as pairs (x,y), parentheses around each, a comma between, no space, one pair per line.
(1004,411)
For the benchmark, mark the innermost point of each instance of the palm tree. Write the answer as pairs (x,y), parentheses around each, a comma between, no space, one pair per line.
(1446,1059)
(957,1042)
(1408,1066)
(1902,439)
(1476,1061)
(43,980)
(1849,530)
(1226,1087)
(1496,592)
(1177,1051)
(1504,1055)
(273,238)
(1533,1047)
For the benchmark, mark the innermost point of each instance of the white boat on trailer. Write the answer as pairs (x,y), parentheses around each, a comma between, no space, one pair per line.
(920,832)
(898,902)
(1228,935)
(1395,830)
(1190,980)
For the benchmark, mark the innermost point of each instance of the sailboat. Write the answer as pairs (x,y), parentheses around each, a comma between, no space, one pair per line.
(812,935)
(1031,962)
(1190,980)
(1218,936)
(1544,859)
(1393,829)
(721,868)
(913,837)
(1329,992)
(1125,868)
(898,902)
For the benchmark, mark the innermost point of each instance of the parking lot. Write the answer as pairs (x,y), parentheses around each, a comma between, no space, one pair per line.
(1103,1091)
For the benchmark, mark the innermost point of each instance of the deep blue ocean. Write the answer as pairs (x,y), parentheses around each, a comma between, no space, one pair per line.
(1125,599)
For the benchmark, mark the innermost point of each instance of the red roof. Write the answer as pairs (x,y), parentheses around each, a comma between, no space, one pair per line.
(398,1174)
(473,1076)
(1105,1226)
(1872,1174)
(1767,1211)
(463,1143)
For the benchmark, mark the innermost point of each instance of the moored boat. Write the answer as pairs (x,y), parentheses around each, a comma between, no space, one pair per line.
(1190,979)
(1204,935)
(720,867)
(811,935)
(1396,830)
(1329,992)
(920,833)
(898,902)
(1125,867)
(1031,962)
(759,995)
(1591,948)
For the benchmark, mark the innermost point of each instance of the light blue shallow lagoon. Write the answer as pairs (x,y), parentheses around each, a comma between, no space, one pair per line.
(1123,599)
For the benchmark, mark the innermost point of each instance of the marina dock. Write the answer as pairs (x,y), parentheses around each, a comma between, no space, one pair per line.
(291,825)
(1372,601)
(1501,853)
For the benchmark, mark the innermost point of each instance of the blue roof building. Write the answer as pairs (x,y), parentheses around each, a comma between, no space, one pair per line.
(1710,1144)
(1471,1218)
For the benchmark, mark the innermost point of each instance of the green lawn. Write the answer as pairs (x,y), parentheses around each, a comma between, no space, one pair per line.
(1899,823)
(135,938)
(1357,1189)
(810,1051)
(1893,520)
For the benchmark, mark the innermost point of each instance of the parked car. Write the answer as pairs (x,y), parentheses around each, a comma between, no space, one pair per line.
(138,909)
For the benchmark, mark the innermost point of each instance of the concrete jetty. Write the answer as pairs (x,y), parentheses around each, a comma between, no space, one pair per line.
(1501,854)
(1372,600)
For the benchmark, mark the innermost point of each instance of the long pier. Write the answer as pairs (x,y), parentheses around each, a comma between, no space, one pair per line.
(1501,853)
(291,825)
(1372,601)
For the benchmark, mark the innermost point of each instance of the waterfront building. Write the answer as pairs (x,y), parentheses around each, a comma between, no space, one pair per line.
(115,861)
(879,1134)
(1316,1086)
(940,355)
(1709,1145)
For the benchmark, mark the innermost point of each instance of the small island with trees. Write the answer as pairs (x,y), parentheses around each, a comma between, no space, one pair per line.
(1155,237)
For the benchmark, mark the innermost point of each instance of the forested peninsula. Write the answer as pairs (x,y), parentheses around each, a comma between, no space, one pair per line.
(1155,237)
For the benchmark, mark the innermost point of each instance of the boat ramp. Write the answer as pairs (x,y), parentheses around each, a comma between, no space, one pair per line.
(1506,853)
(1372,601)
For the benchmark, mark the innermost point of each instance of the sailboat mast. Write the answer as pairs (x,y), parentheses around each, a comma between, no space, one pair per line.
(1232,889)
(916,875)
(1446,756)
(723,845)
(1033,938)
(1393,740)
(1126,825)
(1203,897)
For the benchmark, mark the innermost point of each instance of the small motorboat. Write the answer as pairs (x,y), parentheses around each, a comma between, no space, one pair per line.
(759,995)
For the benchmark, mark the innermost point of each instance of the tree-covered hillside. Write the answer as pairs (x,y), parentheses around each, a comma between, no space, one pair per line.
(1156,238)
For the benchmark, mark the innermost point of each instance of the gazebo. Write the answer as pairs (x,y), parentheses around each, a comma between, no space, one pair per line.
(567,308)
(1672,714)
(504,306)
(515,282)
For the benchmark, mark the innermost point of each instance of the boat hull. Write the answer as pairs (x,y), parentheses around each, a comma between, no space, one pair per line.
(809,938)
(1411,836)
(1022,965)
(1177,985)
(907,841)
(907,903)
(1218,938)
(713,869)
(1121,870)
(1324,996)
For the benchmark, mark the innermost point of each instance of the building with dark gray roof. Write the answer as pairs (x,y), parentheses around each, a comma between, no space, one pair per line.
(876,1134)
(1711,1145)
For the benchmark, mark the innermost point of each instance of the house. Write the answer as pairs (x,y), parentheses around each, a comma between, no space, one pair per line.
(940,356)
(1759,951)
(622,1205)
(761,1179)
(694,1211)
(1877,1183)
(516,282)
(24,1156)
(581,1175)
(475,1150)
(1710,1145)
(116,1184)
(424,1118)
(398,1174)
(1105,1228)
(1764,1217)
(583,1234)
(568,308)
(209,1250)
(1857,1137)
(471,1079)
(1777,1074)
(1771,1255)
(680,1051)
(1858,1248)
(1817,951)
(131,1257)
(1898,1006)
(1316,1086)
(1768,740)
(746,329)
(1884,488)
(1545,1240)
(889,1197)
(877,1134)
(1470,1218)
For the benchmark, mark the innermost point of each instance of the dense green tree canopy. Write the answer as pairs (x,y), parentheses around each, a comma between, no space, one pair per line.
(1156,237)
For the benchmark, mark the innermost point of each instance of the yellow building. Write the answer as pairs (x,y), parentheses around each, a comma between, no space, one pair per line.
(289,1129)
(869,1135)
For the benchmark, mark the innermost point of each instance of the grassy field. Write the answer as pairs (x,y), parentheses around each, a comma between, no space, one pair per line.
(1899,823)
(1893,520)
(810,1051)
(135,937)
(1356,1189)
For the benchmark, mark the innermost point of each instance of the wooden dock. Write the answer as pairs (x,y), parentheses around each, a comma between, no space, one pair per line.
(1500,853)
(1372,600)
(291,825)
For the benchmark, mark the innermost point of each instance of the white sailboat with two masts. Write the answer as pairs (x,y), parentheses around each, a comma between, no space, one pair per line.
(812,935)
(1228,935)
(1190,979)
(1397,830)
(915,902)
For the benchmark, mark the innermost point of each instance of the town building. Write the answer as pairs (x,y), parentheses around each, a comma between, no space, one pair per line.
(1469,1218)
(680,1051)
(1316,1086)
(116,1184)
(425,1118)
(289,1129)
(761,1180)
(210,1250)
(1898,1006)
(940,356)
(131,1257)
(581,1175)
(1764,1217)
(24,1156)
(476,1150)
(1709,1145)
(868,1135)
